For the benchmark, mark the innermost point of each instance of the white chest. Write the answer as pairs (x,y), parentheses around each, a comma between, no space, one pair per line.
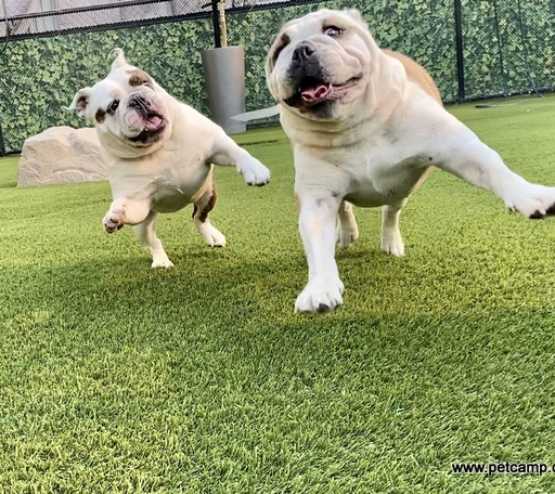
(384,178)
(175,187)
(375,173)
(167,182)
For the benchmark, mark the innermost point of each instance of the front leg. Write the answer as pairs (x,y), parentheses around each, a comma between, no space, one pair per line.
(470,159)
(227,152)
(147,236)
(392,241)
(347,228)
(317,226)
(125,211)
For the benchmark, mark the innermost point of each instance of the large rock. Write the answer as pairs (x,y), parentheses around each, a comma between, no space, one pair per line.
(61,155)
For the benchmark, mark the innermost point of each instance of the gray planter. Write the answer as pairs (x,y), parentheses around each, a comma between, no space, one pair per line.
(224,71)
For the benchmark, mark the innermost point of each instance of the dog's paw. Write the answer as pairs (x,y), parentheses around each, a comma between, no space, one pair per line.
(393,244)
(211,235)
(320,295)
(113,221)
(215,238)
(161,262)
(346,236)
(533,201)
(254,172)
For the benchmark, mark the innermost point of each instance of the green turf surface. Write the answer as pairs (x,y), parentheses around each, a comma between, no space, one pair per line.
(117,378)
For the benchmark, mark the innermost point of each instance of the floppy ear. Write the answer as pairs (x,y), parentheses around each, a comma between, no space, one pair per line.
(120,60)
(270,62)
(269,65)
(80,101)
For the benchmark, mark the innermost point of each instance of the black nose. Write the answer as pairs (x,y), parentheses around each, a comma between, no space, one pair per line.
(138,101)
(303,53)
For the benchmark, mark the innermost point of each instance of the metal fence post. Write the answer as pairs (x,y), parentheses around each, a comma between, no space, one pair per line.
(500,45)
(2,146)
(216,24)
(459,46)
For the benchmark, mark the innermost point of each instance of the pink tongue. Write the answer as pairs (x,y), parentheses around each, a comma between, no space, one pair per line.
(153,123)
(316,94)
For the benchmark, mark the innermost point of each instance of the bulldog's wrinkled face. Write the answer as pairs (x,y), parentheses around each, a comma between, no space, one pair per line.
(319,64)
(128,109)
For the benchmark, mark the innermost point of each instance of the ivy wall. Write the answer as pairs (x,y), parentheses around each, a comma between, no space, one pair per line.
(509,47)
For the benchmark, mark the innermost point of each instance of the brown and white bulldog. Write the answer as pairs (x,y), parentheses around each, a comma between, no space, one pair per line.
(366,125)
(160,152)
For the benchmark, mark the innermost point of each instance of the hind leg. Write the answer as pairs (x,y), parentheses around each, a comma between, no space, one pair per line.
(347,228)
(147,236)
(202,206)
(392,241)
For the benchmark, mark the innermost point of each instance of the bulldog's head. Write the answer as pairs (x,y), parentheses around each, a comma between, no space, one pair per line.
(128,108)
(319,64)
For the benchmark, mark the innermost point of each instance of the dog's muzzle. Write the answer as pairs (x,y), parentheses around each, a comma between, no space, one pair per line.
(308,80)
(141,104)
(313,90)
(153,122)
(305,68)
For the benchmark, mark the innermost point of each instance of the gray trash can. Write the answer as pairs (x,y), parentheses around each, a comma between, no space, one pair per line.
(224,71)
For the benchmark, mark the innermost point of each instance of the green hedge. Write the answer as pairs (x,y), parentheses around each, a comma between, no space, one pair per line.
(38,77)
(520,58)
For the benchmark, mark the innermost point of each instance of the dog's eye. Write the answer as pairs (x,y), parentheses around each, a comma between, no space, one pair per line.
(113,107)
(332,31)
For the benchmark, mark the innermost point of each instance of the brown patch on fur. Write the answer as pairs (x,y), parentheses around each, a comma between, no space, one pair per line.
(82,103)
(138,78)
(209,207)
(417,74)
(204,205)
(100,115)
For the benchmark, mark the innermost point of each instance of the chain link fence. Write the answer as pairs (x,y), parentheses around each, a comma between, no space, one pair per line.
(50,48)
(31,18)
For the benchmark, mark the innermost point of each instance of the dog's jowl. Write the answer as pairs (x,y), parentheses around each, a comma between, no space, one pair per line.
(160,153)
(366,125)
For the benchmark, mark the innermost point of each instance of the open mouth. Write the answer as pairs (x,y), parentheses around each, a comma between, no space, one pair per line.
(312,91)
(154,125)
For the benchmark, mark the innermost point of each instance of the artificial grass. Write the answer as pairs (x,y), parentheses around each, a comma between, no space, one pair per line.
(117,378)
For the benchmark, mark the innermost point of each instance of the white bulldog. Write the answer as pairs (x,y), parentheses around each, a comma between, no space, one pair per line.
(366,125)
(160,153)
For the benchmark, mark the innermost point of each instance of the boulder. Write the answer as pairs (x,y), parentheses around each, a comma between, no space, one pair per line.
(61,155)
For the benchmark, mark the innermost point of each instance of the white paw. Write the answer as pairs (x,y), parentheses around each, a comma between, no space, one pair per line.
(346,236)
(161,262)
(393,244)
(320,295)
(254,172)
(533,201)
(113,221)
(213,237)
